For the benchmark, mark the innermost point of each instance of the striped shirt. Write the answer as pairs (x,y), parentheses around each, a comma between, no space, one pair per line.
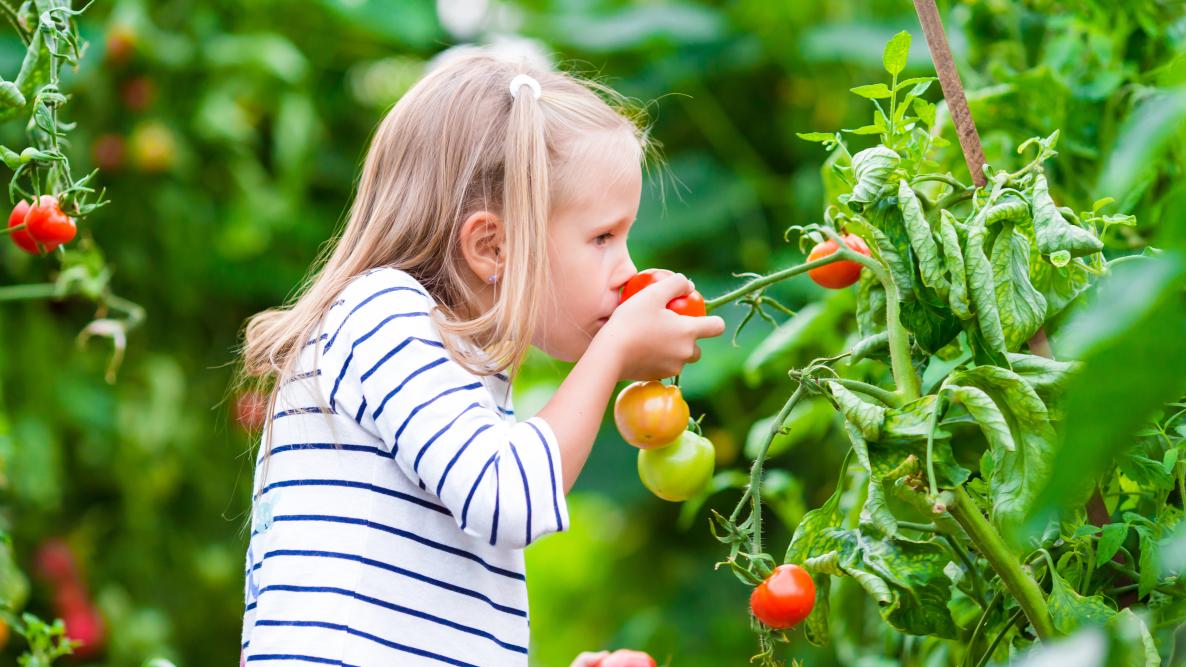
(389,520)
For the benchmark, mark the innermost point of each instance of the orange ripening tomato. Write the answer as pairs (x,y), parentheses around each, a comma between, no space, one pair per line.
(837,275)
(690,304)
(650,414)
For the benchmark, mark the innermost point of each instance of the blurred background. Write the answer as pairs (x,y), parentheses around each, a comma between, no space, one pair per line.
(229,135)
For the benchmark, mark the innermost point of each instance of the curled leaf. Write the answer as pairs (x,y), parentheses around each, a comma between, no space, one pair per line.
(953,259)
(930,266)
(980,285)
(871,168)
(1053,231)
(866,416)
(1022,308)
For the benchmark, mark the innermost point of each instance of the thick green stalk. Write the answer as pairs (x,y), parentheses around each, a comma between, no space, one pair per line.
(990,545)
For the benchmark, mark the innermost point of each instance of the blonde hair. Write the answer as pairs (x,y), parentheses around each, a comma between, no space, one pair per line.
(456,143)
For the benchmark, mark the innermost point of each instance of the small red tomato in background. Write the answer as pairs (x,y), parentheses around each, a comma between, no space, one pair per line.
(21,237)
(121,43)
(82,619)
(138,93)
(837,275)
(108,151)
(785,598)
(55,562)
(627,658)
(49,225)
(251,407)
(691,304)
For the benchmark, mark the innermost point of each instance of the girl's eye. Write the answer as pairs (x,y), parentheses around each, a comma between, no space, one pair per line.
(603,238)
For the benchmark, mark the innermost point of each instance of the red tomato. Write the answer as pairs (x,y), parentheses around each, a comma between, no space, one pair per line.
(49,225)
(55,562)
(82,619)
(785,598)
(108,151)
(138,93)
(691,304)
(650,414)
(837,275)
(627,658)
(251,407)
(21,238)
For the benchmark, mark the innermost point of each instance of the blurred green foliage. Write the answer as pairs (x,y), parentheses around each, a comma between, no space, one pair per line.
(229,136)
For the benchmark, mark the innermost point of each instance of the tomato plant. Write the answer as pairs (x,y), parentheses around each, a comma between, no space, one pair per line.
(691,304)
(650,414)
(956,534)
(836,275)
(784,598)
(679,470)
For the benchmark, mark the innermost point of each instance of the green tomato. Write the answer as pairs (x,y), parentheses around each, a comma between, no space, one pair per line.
(679,470)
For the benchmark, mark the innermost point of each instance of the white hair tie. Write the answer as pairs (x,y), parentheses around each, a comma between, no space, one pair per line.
(524,80)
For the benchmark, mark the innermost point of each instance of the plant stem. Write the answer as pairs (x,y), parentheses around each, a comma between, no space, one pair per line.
(755,479)
(1023,587)
(997,640)
(884,395)
(14,228)
(963,556)
(35,291)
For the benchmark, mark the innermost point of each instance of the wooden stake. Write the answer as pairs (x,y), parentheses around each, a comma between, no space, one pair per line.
(953,90)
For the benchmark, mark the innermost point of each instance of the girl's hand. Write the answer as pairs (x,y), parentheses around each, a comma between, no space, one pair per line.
(650,342)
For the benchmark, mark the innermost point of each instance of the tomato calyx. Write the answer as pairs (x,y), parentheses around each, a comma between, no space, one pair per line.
(785,598)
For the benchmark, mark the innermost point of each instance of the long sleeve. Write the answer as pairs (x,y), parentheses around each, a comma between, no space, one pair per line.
(384,365)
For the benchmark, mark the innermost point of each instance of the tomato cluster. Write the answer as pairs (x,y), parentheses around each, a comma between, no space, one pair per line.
(41,227)
(675,463)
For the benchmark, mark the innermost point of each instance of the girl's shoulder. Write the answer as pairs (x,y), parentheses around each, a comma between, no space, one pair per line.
(380,281)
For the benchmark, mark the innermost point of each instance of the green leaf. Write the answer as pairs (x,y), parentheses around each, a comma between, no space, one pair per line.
(817,137)
(864,415)
(812,537)
(904,435)
(1149,560)
(871,168)
(983,291)
(1069,610)
(808,421)
(925,111)
(921,84)
(875,514)
(1048,377)
(1053,232)
(1022,308)
(1111,539)
(876,91)
(1019,475)
(866,130)
(896,53)
(930,265)
(981,407)
(953,259)
(870,306)
(1009,208)
(905,577)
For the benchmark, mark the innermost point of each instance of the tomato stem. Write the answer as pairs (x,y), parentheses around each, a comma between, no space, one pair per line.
(884,395)
(34,291)
(755,480)
(1023,587)
(14,228)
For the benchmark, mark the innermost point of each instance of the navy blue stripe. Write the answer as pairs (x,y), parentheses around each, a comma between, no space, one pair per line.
(356,485)
(438,434)
(456,456)
(400,533)
(497,494)
(363,303)
(395,350)
(336,303)
(333,445)
(319,338)
(505,411)
(472,489)
(397,608)
(366,635)
(358,415)
(315,410)
(303,376)
(418,408)
(432,364)
(551,471)
(501,376)
(293,656)
(359,341)
(396,569)
(250,606)
(526,492)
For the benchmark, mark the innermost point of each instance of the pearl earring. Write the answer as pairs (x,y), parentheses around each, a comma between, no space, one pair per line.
(492,279)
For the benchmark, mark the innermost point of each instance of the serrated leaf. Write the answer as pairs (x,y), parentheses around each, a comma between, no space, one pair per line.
(1111,539)
(925,111)
(875,91)
(896,53)
(930,265)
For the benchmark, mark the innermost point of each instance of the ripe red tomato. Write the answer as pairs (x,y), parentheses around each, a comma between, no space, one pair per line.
(785,598)
(21,237)
(49,225)
(650,414)
(627,658)
(82,619)
(108,151)
(251,407)
(55,562)
(691,304)
(837,275)
(679,470)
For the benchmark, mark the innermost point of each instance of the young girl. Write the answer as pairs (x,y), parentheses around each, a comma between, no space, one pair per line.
(395,488)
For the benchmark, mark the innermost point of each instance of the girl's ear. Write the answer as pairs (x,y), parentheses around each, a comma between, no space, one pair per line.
(481,240)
